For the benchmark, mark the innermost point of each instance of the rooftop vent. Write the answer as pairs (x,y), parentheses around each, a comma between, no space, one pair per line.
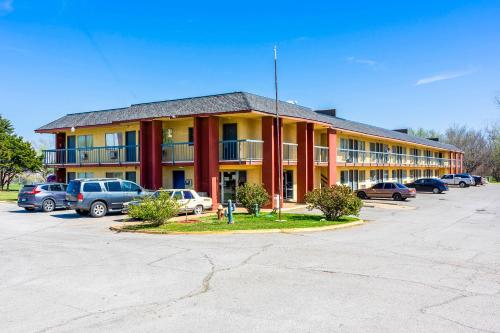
(327,112)
(401,130)
(433,139)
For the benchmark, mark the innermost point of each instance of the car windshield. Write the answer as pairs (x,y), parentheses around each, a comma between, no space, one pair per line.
(399,185)
(73,186)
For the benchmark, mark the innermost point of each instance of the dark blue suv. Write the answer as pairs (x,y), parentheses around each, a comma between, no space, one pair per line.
(433,185)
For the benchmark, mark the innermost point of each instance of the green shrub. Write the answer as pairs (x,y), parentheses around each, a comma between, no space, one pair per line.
(156,210)
(334,201)
(250,194)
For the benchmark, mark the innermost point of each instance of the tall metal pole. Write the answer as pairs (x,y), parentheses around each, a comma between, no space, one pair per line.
(278,133)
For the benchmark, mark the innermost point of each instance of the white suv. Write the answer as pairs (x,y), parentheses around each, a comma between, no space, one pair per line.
(461,179)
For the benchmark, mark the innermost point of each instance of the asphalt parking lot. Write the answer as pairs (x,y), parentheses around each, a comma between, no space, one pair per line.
(434,267)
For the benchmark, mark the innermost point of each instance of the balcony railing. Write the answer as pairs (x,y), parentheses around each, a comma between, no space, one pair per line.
(240,150)
(380,158)
(92,155)
(177,152)
(320,154)
(290,152)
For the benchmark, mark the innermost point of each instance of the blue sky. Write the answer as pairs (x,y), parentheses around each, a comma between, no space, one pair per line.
(392,64)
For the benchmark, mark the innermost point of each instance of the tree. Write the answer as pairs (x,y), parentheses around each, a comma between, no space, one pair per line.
(426,133)
(473,142)
(16,155)
(6,126)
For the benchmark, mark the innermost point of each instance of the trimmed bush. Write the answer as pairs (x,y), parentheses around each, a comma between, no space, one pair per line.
(156,210)
(334,201)
(250,194)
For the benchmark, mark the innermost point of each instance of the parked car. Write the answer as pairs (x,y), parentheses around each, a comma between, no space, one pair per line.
(99,196)
(478,180)
(433,185)
(461,180)
(188,199)
(47,196)
(393,190)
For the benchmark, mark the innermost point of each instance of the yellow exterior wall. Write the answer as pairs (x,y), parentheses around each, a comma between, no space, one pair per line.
(254,172)
(100,172)
(247,128)
(99,133)
(167,181)
(180,128)
(290,133)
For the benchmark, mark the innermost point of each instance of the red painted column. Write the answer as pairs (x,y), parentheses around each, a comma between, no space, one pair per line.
(61,175)
(310,157)
(302,164)
(156,156)
(452,161)
(145,153)
(206,157)
(60,144)
(269,177)
(331,137)
(461,162)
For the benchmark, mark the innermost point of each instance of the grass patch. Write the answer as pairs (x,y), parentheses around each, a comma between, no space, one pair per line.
(245,222)
(11,194)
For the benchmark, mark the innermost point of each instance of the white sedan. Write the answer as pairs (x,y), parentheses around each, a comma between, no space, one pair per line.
(189,201)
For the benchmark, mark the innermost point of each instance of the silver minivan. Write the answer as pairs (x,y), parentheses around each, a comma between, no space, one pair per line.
(98,196)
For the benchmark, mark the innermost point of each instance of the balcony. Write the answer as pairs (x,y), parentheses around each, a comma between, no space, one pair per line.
(247,151)
(351,156)
(92,156)
(290,153)
(177,152)
(320,154)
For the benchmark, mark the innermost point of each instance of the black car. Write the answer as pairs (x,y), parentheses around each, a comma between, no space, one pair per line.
(429,185)
(478,180)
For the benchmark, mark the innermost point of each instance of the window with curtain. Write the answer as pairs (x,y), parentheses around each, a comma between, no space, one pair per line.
(85,141)
(114,139)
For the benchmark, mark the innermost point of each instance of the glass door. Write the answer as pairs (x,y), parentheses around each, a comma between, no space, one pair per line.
(228,186)
(288,184)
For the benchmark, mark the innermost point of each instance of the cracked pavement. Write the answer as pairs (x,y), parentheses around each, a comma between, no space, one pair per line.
(435,268)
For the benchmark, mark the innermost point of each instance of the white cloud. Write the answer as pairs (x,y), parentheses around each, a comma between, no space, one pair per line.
(443,76)
(6,7)
(354,60)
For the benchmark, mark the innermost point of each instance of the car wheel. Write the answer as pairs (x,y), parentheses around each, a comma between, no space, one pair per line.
(48,205)
(435,190)
(362,195)
(29,209)
(397,197)
(98,209)
(461,184)
(81,212)
(198,210)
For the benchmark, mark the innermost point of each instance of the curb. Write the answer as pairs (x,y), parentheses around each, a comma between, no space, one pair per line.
(256,231)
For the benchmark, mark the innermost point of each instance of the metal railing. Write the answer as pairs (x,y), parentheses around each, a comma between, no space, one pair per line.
(92,155)
(362,156)
(290,152)
(177,152)
(320,154)
(241,150)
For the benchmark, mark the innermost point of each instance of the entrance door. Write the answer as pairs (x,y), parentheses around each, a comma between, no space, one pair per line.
(288,184)
(230,144)
(228,182)
(130,150)
(179,179)
(71,148)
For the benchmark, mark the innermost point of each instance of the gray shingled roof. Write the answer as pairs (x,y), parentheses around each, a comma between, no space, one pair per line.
(229,102)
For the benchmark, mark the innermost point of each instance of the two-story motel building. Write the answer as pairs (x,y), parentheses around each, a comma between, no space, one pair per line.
(214,143)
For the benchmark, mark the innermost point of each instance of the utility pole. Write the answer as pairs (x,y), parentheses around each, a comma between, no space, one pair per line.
(278,134)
